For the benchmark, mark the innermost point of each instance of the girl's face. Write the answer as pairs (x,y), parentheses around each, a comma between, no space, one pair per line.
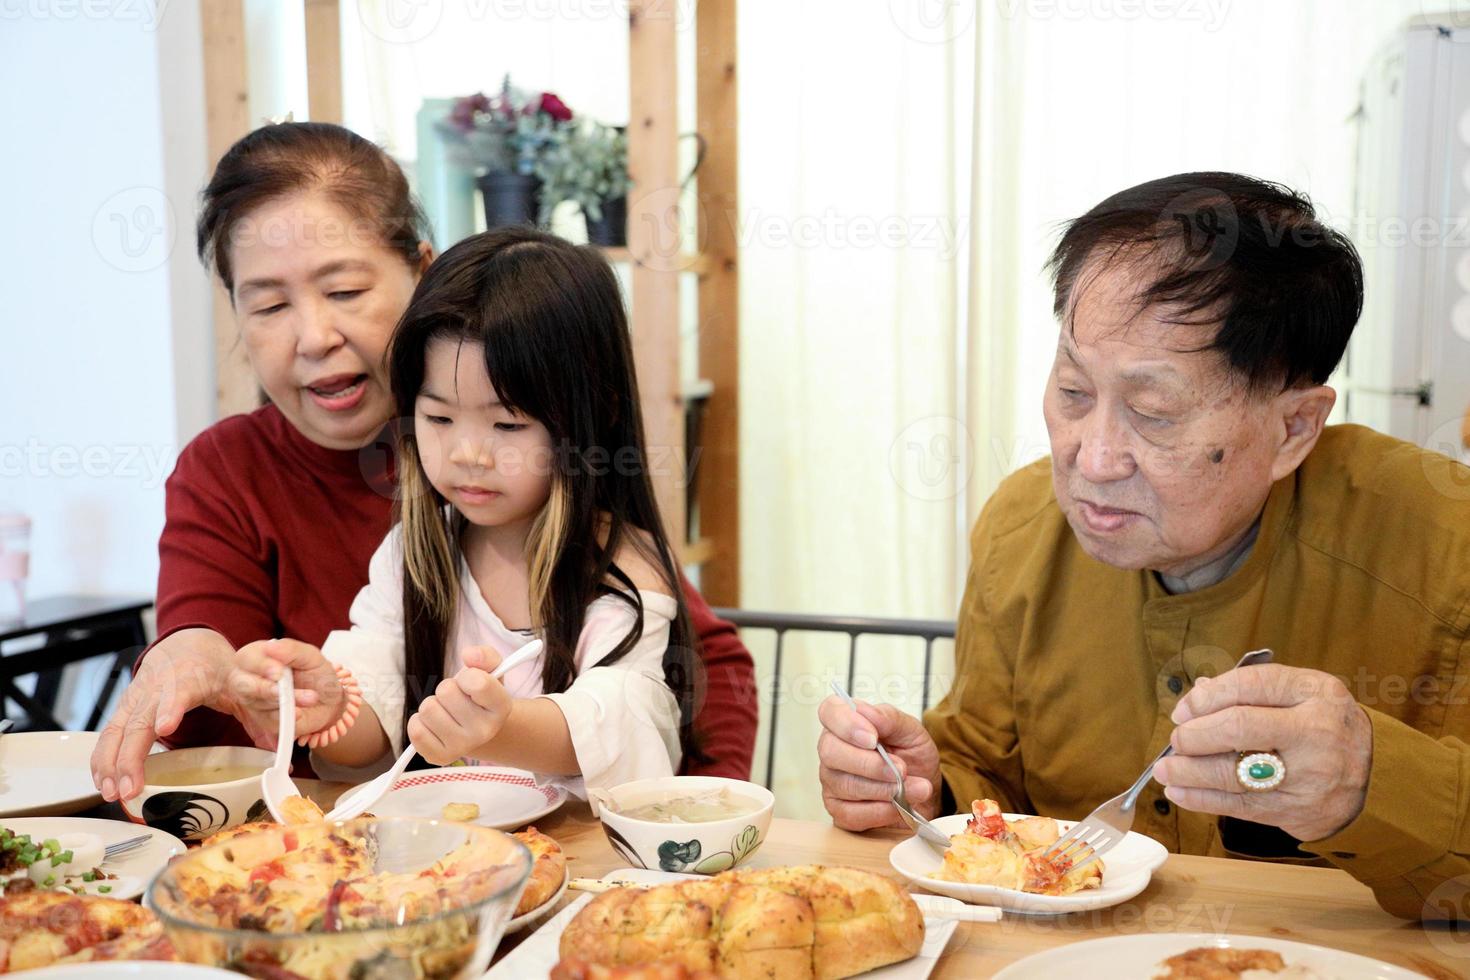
(317,295)
(492,464)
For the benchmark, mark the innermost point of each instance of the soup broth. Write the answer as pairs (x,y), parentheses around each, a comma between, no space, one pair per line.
(202,775)
(699,807)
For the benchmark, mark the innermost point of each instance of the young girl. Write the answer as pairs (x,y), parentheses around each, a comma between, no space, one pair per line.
(526,511)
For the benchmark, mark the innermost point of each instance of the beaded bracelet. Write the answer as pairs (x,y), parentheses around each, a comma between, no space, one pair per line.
(338,728)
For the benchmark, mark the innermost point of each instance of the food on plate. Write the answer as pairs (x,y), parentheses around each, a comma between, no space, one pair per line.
(701,806)
(298,809)
(793,922)
(548,869)
(66,862)
(463,812)
(992,850)
(1215,963)
(40,928)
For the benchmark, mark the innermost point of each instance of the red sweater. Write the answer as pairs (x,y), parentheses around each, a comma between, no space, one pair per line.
(269,535)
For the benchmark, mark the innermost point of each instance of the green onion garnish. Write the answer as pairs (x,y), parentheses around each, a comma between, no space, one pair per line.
(104,889)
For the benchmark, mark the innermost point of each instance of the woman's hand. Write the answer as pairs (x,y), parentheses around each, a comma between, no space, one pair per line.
(319,695)
(464,712)
(183,671)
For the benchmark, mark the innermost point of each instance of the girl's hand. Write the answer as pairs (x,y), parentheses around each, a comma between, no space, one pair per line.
(464,712)
(319,694)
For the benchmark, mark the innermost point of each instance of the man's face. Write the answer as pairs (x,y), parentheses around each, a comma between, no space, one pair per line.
(1161,459)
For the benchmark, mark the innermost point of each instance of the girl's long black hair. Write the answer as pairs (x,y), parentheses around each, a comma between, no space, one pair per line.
(549,316)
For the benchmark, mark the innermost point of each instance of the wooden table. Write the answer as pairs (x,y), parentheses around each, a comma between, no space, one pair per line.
(1188,894)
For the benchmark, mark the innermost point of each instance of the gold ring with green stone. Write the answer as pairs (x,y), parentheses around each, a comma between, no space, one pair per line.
(1260,772)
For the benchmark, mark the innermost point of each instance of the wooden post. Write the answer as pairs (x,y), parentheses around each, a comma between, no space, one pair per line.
(719,301)
(227,118)
(654,241)
(324,60)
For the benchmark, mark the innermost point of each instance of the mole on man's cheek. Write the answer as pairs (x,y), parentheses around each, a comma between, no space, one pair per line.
(1218,456)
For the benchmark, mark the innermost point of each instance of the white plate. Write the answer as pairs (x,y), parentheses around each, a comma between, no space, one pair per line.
(1128,957)
(134,869)
(47,773)
(535,957)
(123,970)
(508,798)
(521,921)
(1127,869)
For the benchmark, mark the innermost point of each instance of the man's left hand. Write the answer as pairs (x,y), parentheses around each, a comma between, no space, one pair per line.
(1307,717)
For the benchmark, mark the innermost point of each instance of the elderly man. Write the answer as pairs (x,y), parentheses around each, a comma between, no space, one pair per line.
(1195,507)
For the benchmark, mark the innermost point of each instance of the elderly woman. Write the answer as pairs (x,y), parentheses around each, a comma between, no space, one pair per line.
(1196,507)
(272,516)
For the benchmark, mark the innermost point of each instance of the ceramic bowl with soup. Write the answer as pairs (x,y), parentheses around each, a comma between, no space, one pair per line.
(690,824)
(192,793)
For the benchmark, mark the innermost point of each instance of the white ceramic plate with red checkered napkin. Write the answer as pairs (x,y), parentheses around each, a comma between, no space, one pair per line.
(508,798)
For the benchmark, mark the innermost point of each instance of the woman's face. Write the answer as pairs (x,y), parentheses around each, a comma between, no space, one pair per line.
(317,294)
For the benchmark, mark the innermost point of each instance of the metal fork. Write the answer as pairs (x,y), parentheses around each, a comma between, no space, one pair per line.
(1106,826)
(923,829)
(124,846)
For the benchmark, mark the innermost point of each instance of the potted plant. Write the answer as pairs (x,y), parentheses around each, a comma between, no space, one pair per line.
(503,138)
(588,165)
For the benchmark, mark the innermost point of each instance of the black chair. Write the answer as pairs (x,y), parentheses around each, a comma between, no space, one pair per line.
(72,629)
(928,630)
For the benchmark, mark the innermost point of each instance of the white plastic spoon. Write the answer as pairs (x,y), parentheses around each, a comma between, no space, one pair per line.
(355,802)
(275,782)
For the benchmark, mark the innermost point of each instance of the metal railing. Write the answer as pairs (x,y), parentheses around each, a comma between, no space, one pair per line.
(927,630)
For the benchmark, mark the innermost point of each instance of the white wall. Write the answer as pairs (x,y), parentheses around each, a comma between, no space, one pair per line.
(105,357)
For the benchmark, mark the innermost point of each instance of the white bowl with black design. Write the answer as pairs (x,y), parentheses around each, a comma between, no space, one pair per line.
(706,847)
(195,810)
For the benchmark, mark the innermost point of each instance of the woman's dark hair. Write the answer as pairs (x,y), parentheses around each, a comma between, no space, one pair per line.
(1222,248)
(549,318)
(281,159)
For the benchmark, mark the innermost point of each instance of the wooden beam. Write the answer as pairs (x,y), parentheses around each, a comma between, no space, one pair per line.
(227,118)
(324,60)
(654,243)
(719,301)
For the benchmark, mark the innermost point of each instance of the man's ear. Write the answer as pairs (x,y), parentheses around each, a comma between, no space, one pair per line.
(426,256)
(1303,414)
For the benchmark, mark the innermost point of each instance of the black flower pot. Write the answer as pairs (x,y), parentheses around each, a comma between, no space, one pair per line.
(510,199)
(612,230)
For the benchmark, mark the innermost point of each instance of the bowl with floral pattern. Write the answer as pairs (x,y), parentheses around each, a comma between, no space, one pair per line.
(686,824)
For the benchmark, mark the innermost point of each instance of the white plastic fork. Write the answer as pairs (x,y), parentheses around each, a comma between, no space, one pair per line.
(1105,827)
(355,802)
(275,782)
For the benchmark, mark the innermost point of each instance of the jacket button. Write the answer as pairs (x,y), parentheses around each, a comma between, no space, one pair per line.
(1176,685)
(1162,806)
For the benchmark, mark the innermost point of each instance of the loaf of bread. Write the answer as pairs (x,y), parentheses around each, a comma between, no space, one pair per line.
(797,922)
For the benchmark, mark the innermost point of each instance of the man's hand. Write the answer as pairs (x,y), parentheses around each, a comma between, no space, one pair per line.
(252,684)
(1307,717)
(857,788)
